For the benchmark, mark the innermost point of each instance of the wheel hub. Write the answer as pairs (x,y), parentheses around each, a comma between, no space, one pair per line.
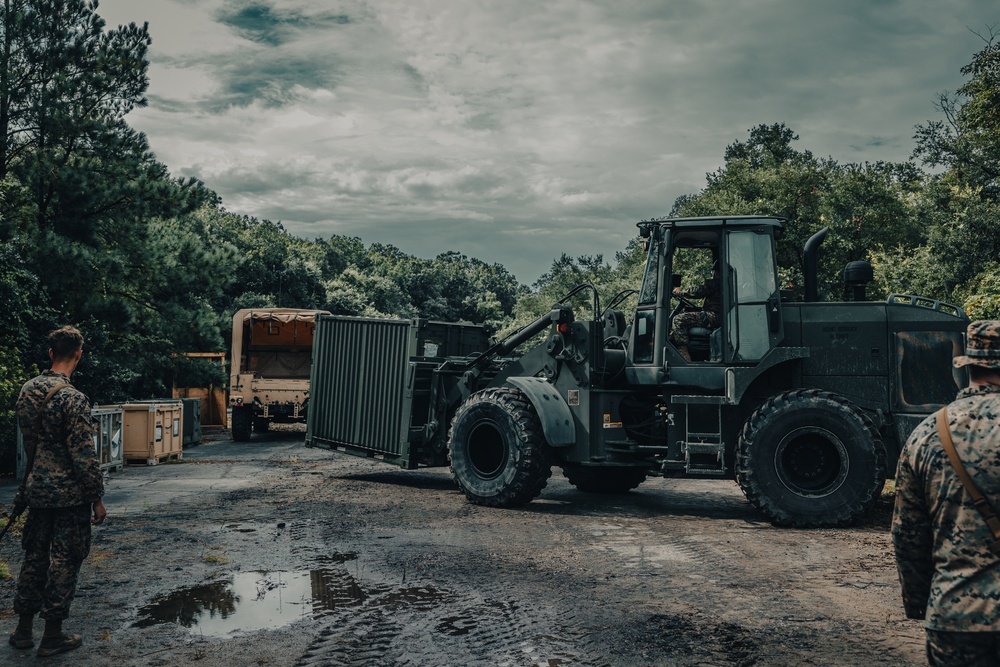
(811,462)
(488,450)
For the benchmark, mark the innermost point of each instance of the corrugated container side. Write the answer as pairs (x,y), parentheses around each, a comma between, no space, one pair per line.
(358,394)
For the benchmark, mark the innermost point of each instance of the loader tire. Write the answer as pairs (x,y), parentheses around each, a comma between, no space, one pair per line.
(241,424)
(809,458)
(499,456)
(604,479)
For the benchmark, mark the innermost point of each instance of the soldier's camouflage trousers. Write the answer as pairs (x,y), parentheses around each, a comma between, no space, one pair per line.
(963,649)
(55,541)
(683,322)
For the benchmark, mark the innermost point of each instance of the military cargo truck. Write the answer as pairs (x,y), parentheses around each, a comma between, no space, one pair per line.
(805,403)
(269,377)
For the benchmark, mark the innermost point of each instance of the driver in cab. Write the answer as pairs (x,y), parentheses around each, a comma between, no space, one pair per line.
(708,317)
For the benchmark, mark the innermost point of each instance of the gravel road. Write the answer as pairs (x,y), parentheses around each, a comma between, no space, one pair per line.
(269,553)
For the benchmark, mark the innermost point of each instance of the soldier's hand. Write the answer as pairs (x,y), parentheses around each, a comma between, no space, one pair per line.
(18,508)
(99,513)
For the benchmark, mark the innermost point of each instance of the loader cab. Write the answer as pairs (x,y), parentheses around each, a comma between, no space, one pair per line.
(681,254)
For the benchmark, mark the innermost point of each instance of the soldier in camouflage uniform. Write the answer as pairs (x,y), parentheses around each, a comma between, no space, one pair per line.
(63,495)
(949,575)
(708,317)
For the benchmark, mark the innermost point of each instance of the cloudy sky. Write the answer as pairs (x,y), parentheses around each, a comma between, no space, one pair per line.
(516,130)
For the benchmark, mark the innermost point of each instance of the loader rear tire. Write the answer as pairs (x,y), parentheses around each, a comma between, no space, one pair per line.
(604,479)
(499,456)
(810,458)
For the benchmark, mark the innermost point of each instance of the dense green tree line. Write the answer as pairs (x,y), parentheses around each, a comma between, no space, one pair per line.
(94,231)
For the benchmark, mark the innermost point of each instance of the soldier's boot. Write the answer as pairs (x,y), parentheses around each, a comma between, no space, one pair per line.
(55,641)
(683,350)
(21,636)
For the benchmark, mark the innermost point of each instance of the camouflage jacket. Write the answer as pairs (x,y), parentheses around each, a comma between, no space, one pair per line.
(711,292)
(948,573)
(66,471)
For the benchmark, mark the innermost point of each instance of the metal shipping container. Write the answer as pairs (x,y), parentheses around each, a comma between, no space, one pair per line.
(372,384)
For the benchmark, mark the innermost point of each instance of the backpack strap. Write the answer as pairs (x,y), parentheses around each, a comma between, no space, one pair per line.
(980,501)
(31,444)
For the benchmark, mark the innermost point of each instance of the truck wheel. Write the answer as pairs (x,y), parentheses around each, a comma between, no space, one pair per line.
(241,424)
(498,455)
(604,479)
(261,425)
(809,458)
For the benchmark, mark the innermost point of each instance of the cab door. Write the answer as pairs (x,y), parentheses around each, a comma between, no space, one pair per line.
(751,300)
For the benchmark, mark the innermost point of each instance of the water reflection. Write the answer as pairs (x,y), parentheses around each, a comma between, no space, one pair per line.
(250,601)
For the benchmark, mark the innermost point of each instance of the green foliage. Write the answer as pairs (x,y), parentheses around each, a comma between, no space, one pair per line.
(983,303)
(99,226)
(967,141)
(382,281)
(568,273)
(862,205)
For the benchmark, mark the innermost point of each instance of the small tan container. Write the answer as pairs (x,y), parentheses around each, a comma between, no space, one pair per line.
(153,432)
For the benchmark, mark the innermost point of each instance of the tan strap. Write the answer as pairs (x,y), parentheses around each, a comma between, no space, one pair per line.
(31,442)
(978,499)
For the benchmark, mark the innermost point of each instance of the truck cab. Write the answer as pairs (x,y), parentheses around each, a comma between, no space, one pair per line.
(272,358)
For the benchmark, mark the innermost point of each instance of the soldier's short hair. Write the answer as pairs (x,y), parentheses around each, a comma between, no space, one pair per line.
(64,342)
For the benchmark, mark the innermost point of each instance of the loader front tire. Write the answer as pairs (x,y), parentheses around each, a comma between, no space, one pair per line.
(809,458)
(499,456)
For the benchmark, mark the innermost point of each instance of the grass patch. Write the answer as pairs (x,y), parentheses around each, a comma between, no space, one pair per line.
(16,528)
(215,557)
(881,514)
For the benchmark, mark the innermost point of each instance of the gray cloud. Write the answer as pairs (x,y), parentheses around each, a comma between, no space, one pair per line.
(267,23)
(269,78)
(517,131)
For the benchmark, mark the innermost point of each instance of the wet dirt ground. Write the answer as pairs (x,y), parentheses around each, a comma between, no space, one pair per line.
(268,553)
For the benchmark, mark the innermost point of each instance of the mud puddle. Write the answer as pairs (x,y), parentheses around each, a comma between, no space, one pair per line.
(250,601)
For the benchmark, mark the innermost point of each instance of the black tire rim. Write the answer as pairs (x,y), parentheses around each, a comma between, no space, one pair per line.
(488,449)
(811,462)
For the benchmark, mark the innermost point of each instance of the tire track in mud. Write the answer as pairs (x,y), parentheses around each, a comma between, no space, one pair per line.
(366,621)
(643,544)
(420,625)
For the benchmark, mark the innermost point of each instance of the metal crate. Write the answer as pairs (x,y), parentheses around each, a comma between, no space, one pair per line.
(108,431)
(108,435)
(192,421)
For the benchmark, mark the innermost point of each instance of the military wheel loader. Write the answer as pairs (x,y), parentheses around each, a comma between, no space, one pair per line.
(805,403)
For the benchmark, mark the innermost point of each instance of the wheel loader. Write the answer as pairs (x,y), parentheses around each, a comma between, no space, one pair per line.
(805,403)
